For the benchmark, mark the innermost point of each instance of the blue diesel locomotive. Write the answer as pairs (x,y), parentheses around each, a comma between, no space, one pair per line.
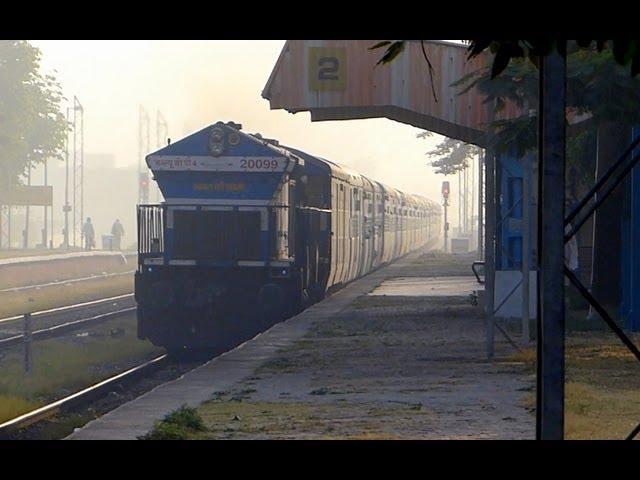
(252,232)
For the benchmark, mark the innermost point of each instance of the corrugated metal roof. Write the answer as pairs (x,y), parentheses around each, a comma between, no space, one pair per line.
(401,90)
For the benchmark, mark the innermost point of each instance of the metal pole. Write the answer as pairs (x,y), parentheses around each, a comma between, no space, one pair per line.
(28,341)
(459,202)
(465,193)
(66,188)
(472,187)
(51,232)
(9,227)
(446,226)
(480,204)
(75,166)
(140,120)
(551,322)
(81,169)
(26,225)
(46,211)
(526,247)
(158,146)
(489,245)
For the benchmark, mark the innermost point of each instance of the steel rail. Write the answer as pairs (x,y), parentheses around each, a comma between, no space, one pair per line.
(64,282)
(66,307)
(62,328)
(81,397)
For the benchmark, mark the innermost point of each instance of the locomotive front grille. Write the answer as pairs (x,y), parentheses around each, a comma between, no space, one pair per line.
(221,235)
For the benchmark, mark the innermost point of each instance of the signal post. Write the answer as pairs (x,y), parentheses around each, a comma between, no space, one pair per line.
(445,203)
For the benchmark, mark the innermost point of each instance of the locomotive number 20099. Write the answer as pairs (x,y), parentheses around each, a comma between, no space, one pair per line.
(258,164)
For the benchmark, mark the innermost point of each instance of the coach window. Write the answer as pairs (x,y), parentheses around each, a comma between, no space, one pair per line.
(356,200)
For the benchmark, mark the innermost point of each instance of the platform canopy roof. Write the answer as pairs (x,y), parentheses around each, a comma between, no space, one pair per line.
(339,80)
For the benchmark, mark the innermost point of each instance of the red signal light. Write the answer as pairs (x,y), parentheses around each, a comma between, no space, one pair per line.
(445,189)
(144,187)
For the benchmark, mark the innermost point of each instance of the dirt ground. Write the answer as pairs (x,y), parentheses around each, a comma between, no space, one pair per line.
(388,367)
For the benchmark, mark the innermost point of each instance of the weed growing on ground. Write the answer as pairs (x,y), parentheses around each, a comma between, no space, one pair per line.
(177,425)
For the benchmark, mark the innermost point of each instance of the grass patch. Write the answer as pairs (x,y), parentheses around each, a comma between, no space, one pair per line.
(67,364)
(280,364)
(177,425)
(226,419)
(526,356)
(371,435)
(598,413)
(54,296)
(12,406)
(602,389)
(34,252)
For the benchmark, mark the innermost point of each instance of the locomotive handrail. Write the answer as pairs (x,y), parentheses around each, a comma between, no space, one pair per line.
(475,272)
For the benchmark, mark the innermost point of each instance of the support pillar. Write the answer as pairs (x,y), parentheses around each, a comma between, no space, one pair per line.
(551,321)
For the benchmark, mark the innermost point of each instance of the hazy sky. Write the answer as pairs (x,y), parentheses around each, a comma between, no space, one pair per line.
(196,83)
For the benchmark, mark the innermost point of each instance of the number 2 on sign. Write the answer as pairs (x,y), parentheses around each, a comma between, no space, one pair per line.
(328,68)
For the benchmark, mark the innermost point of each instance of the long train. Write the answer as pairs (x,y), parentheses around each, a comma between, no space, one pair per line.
(252,232)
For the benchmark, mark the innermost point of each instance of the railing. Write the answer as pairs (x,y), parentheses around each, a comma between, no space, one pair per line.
(474,268)
(151,220)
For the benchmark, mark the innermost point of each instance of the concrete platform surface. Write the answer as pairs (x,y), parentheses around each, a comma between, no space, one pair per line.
(428,287)
(406,365)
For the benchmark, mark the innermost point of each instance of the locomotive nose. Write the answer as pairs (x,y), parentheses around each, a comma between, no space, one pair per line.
(271,297)
(162,294)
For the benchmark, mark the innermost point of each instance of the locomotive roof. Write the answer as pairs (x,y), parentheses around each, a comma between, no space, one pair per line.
(197,144)
(338,171)
(353,177)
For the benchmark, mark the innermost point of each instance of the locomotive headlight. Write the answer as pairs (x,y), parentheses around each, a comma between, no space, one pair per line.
(234,138)
(279,272)
(216,142)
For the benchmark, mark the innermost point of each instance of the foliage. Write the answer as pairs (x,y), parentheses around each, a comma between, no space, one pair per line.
(177,425)
(451,155)
(625,51)
(32,127)
(596,85)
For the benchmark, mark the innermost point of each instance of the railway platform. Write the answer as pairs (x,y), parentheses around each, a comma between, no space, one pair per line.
(396,354)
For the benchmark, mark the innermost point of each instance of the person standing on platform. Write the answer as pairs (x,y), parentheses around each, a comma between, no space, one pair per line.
(89,235)
(118,232)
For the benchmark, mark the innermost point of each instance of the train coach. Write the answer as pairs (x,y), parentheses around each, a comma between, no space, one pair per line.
(252,232)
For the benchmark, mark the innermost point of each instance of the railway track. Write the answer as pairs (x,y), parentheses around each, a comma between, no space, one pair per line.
(65,282)
(57,321)
(83,397)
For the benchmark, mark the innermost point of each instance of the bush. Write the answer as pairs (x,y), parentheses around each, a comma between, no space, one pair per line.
(177,425)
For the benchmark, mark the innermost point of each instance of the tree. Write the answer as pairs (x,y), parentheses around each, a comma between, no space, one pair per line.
(626,51)
(599,86)
(451,155)
(32,127)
